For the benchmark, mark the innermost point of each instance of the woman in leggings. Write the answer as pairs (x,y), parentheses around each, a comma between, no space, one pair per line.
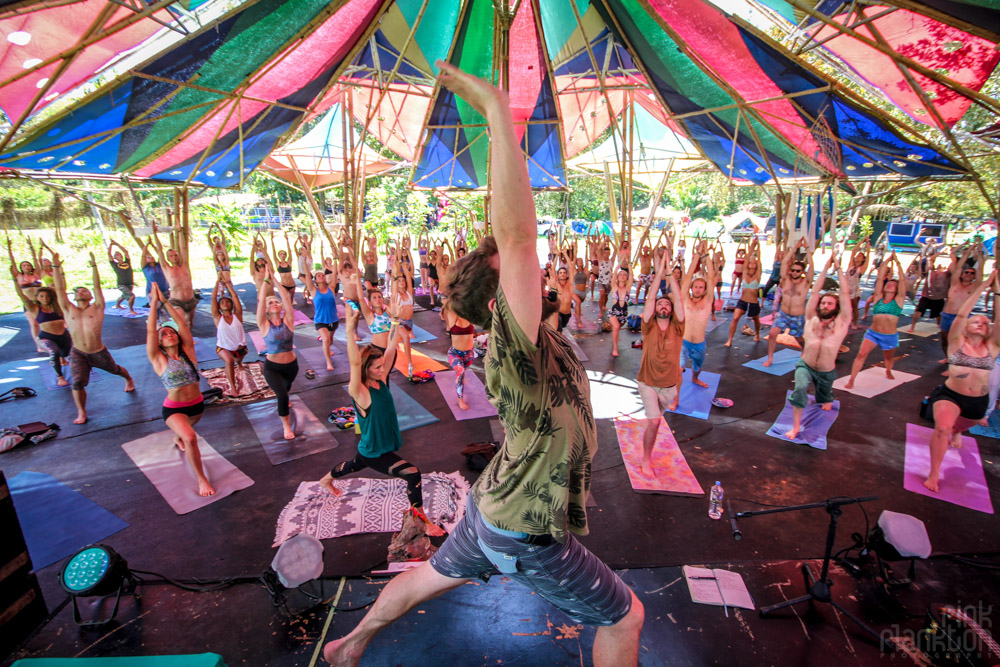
(461,354)
(52,335)
(276,321)
(325,316)
(170,349)
(376,416)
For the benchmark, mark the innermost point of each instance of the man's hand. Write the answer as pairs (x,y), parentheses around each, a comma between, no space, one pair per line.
(93,262)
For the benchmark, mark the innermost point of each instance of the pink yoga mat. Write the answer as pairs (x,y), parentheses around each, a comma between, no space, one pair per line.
(475,395)
(300,318)
(962,481)
(673,475)
(258,340)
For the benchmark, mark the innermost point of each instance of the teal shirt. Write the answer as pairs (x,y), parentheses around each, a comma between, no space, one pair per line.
(380,428)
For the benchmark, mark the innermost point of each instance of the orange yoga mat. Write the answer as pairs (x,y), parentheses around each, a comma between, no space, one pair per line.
(421,362)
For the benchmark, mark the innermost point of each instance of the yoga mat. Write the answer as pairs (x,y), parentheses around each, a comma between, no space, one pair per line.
(6,334)
(341,333)
(311,436)
(258,340)
(872,381)
(369,505)
(409,413)
(816,422)
(49,376)
(250,383)
(141,313)
(962,480)
(673,475)
(421,335)
(696,401)
(421,362)
(302,318)
(789,340)
(923,328)
(204,350)
(56,520)
(312,357)
(475,395)
(191,660)
(767,320)
(784,362)
(992,430)
(571,341)
(712,326)
(166,467)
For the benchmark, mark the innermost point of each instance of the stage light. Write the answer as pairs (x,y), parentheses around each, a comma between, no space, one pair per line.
(96,571)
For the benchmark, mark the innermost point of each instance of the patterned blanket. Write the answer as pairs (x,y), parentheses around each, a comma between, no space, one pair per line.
(369,506)
(250,384)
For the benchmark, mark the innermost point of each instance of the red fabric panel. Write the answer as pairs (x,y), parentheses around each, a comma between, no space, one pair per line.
(717,43)
(527,71)
(54,30)
(968,59)
(300,63)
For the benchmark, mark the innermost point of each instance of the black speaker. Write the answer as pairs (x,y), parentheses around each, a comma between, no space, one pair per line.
(22,607)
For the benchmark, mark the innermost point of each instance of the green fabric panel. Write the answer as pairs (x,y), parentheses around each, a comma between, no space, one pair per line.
(476,57)
(437,27)
(259,33)
(672,65)
(559,22)
(197,660)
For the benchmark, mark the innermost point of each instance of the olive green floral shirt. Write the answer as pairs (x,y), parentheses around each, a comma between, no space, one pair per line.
(538,481)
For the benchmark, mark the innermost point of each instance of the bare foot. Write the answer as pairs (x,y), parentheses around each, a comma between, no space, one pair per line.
(614,353)
(932,483)
(956,441)
(329,367)
(342,653)
(700,383)
(673,403)
(849,385)
(767,363)
(729,343)
(132,312)
(646,468)
(792,434)
(889,374)
(64,361)
(756,338)
(910,329)
(204,488)
(288,434)
(130,385)
(327,483)
(462,404)
(826,406)
(61,381)
(81,418)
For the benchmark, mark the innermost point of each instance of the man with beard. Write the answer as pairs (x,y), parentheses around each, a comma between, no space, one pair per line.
(660,370)
(698,305)
(827,320)
(795,276)
(562,285)
(85,320)
(965,279)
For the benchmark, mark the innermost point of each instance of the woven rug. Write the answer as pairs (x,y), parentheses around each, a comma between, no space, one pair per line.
(369,506)
(250,384)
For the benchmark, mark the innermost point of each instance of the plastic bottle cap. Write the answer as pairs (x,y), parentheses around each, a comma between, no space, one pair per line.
(717,483)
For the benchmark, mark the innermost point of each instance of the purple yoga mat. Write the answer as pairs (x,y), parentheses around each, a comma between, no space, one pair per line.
(475,395)
(962,480)
(816,422)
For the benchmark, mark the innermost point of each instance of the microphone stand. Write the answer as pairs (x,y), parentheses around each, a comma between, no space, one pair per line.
(819,587)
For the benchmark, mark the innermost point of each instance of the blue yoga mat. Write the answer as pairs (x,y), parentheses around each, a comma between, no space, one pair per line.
(56,520)
(990,431)
(784,362)
(697,401)
(409,413)
(816,423)
(421,335)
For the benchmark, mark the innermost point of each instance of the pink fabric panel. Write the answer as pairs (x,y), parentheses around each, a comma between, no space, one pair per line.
(300,63)
(52,31)
(968,59)
(579,97)
(402,114)
(716,41)
(527,71)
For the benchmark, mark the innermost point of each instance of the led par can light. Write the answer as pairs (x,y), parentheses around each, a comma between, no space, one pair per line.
(95,571)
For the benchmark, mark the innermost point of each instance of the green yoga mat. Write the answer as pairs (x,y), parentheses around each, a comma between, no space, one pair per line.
(196,660)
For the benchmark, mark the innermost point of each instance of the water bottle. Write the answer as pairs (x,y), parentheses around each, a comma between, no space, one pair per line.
(715,501)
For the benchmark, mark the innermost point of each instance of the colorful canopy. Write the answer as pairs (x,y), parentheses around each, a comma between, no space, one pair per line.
(211,108)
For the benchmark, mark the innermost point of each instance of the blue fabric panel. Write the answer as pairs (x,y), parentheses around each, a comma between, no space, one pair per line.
(438,166)
(102,114)
(580,63)
(545,169)
(388,54)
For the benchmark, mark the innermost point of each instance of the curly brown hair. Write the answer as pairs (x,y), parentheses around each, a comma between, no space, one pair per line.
(472,281)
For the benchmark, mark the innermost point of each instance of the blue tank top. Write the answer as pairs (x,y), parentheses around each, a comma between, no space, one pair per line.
(380,428)
(278,339)
(325,304)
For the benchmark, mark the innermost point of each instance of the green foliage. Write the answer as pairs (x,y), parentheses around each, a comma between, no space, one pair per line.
(390,203)
(229,218)
(865,228)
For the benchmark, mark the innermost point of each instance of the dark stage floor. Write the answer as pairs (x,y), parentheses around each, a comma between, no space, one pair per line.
(646,537)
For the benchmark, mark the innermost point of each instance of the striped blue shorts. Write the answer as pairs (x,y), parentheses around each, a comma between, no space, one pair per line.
(566,574)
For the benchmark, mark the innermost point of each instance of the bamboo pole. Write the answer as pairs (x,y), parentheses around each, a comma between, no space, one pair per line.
(654,203)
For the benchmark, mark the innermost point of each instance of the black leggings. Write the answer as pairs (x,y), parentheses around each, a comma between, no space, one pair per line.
(59,348)
(771,282)
(279,378)
(387,464)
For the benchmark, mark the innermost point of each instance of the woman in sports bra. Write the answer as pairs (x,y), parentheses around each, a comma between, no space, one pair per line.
(230,337)
(276,321)
(857,268)
(304,257)
(579,288)
(963,400)
(462,352)
(284,269)
(749,302)
(618,311)
(28,283)
(325,316)
(741,255)
(53,336)
(401,298)
(423,246)
(170,349)
(376,315)
(889,300)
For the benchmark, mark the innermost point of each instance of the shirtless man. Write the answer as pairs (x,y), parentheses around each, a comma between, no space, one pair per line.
(563,285)
(645,272)
(698,306)
(964,281)
(85,320)
(794,284)
(827,320)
